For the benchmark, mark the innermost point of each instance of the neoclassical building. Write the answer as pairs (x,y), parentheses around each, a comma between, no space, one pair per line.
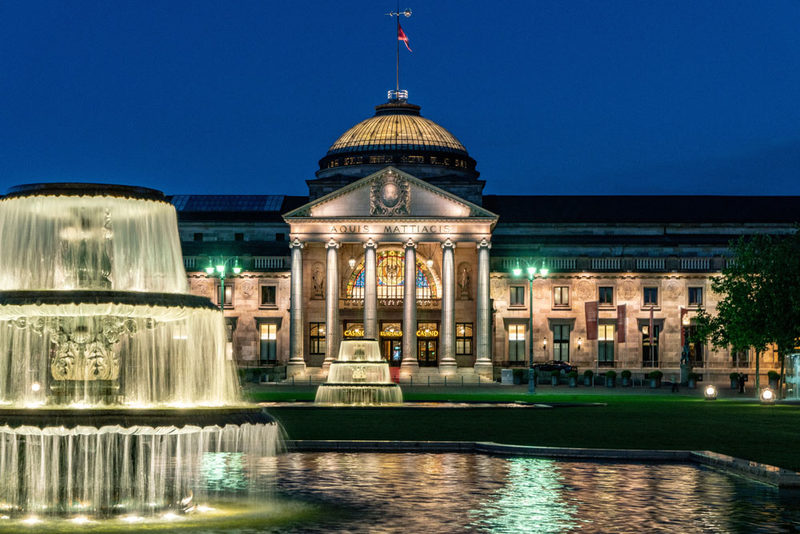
(397,198)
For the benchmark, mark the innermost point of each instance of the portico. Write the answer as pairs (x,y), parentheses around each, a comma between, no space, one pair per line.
(353,251)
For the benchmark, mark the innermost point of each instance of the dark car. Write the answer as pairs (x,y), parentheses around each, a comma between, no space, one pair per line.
(555,365)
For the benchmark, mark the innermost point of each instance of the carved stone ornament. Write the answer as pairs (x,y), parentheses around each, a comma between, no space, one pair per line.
(628,290)
(673,290)
(389,195)
(317,280)
(247,288)
(464,281)
(584,290)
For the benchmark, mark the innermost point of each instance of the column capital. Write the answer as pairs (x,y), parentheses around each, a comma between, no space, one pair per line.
(410,244)
(296,243)
(448,244)
(370,244)
(484,243)
(332,244)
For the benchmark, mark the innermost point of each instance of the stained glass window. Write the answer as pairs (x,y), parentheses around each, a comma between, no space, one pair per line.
(390,267)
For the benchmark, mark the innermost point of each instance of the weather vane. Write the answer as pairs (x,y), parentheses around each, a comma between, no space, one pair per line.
(397,94)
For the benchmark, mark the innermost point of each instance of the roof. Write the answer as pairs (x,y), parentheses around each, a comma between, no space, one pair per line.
(632,209)
(235,208)
(396,126)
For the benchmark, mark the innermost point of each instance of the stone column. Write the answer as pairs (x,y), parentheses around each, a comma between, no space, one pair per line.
(410,364)
(447,362)
(483,356)
(331,304)
(370,291)
(297,364)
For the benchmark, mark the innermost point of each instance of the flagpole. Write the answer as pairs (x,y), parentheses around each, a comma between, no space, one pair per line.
(397,34)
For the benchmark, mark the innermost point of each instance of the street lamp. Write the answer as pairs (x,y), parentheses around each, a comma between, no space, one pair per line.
(531,270)
(220,268)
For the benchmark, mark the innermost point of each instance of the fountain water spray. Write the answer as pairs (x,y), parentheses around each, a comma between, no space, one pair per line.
(359,376)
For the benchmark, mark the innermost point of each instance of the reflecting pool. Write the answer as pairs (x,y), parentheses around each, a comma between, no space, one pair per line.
(443,492)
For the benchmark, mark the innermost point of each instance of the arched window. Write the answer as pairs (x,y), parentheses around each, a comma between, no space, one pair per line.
(390,268)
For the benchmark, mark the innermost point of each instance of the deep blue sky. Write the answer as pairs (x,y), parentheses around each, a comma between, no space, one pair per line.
(549,96)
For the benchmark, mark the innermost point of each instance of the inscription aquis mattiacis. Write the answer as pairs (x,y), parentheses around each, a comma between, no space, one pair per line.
(391,229)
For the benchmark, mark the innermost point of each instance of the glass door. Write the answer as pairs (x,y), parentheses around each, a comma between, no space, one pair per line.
(428,352)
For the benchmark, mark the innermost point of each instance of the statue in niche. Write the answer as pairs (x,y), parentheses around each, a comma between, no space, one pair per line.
(465,281)
(317,281)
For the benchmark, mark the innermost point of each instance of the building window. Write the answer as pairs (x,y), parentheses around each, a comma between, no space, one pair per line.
(268,341)
(238,236)
(269,296)
(464,339)
(561,342)
(605,296)
(516,343)
(650,296)
(280,236)
(517,296)
(198,236)
(561,296)
(695,296)
(696,352)
(228,302)
(605,345)
(650,349)
(317,338)
(740,358)
(390,270)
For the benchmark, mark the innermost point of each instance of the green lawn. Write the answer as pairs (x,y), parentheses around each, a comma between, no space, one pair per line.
(768,434)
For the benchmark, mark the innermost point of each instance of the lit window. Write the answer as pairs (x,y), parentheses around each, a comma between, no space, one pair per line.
(561,296)
(317,343)
(517,296)
(605,344)
(695,296)
(650,349)
(464,339)
(561,342)
(650,296)
(516,343)
(228,302)
(606,296)
(268,334)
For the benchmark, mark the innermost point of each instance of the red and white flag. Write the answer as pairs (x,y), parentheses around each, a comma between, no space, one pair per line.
(401,36)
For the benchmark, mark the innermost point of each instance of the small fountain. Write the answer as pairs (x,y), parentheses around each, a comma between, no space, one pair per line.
(359,376)
(114,383)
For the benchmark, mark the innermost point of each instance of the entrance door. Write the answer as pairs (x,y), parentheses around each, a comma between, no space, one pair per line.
(392,350)
(428,352)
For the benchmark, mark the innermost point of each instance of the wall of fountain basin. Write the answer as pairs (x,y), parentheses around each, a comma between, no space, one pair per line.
(114,382)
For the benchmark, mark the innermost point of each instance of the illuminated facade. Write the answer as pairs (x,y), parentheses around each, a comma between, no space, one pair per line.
(398,198)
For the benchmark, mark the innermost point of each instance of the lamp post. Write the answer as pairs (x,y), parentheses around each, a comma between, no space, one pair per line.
(220,268)
(531,276)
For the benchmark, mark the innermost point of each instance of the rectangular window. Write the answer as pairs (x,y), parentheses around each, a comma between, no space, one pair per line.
(605,296)
(464,339)
(317,338)
(516,343)
(561,342)
(269,295)
(198,236)
(517,296)
(650,296)
(228,303)
(650,349)
(696,351)
(695,296)
(605,345)
(238,237)
(740,358)
(268,341)
(561,296)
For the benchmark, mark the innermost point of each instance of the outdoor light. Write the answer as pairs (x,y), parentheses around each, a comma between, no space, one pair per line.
(210,267)
(544,271)
(580,343)
(35,387)
(517,271)
(710,392)
(531,271)
(236,267)
(767,396)
(544,343)
(429,263)
(352,263)
(220,269)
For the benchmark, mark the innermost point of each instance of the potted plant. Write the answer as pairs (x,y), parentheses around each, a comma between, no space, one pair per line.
(588,375)
(655,378)
(554,378)
(626,378)
(518,374)
(572,378)
(692,380)
(611,379)
(734,380)
(773,379)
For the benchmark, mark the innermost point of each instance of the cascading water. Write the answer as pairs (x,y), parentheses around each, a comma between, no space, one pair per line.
(114,383)
(359,376)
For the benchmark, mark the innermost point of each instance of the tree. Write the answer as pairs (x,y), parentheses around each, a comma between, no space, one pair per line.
(760,302)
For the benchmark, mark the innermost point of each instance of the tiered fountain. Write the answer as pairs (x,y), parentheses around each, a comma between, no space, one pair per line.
(359,376)
(113,378)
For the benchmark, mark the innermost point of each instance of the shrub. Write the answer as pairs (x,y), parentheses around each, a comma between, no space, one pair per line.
(588,373)
(695,376)
(734,376)
(656,375)
(611,374)
(572,374)
(626,374)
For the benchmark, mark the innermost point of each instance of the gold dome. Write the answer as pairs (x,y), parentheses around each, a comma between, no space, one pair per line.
(396,126)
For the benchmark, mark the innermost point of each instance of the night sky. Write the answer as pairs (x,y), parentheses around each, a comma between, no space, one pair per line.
(549,96)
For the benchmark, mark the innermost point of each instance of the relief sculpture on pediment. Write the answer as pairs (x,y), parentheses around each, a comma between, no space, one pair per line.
(389,195)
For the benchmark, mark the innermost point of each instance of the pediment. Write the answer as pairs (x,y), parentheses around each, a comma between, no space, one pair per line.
(389,193)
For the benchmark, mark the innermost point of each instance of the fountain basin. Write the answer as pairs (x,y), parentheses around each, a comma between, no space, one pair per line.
(358,394)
